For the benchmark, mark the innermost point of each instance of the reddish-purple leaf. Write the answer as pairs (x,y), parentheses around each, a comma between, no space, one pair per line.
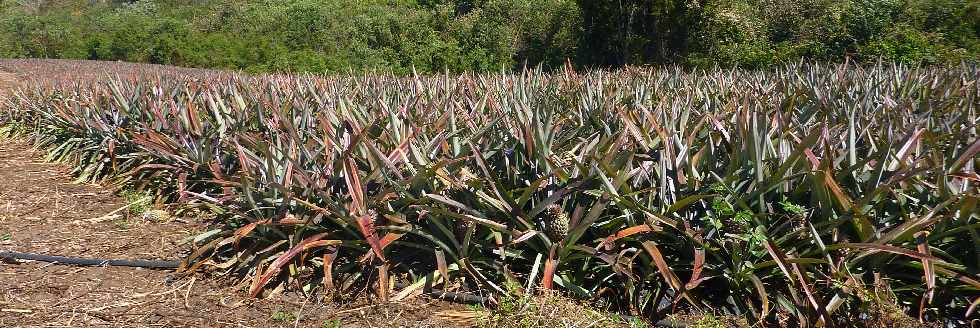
(609,241)
(283,259)
(549,270)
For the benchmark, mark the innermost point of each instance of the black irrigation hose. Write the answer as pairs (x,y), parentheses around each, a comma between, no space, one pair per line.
(463,298)
(89,262)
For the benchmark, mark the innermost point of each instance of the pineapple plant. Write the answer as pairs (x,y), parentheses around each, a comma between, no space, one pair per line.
(647,141)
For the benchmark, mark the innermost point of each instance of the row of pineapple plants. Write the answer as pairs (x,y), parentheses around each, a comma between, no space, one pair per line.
(808,194)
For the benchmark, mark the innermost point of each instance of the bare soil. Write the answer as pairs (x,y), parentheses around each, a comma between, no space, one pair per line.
(7,78)
(43,211)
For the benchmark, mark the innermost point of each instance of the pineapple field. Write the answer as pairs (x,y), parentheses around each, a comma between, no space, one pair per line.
(806,195)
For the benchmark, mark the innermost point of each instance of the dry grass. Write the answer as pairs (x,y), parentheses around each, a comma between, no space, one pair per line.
(550,309)
(883,311)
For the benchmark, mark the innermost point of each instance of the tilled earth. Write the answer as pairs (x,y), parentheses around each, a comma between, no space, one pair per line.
(43,211)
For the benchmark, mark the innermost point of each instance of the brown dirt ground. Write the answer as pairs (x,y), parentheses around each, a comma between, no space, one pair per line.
(7,81)
(42,211)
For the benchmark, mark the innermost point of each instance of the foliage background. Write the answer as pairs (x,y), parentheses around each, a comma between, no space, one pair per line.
(487,35)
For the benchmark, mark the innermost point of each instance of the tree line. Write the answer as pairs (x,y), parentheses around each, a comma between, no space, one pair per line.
(488,35)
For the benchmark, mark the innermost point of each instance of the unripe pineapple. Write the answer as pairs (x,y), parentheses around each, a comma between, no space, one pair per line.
(556,222)
(156,215)
(734,227)
(740,223)
(460,228)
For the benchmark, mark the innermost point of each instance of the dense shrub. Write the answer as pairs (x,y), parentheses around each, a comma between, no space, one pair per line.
(488,35)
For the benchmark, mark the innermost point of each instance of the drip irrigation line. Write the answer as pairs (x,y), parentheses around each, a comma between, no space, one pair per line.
(150,264)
